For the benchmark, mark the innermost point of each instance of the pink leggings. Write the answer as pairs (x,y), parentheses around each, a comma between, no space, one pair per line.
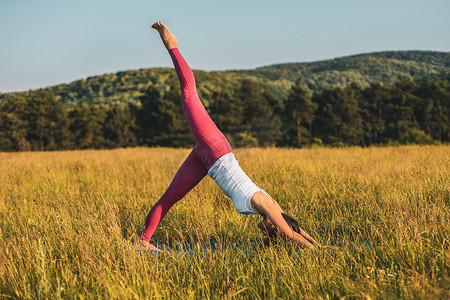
(210,145)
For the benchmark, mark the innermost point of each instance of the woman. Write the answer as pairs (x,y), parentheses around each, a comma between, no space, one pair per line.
(213,155)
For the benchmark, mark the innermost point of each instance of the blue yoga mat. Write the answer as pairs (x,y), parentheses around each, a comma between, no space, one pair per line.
(190,249)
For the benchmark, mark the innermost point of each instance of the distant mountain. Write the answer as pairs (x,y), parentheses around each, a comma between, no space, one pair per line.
(386,67)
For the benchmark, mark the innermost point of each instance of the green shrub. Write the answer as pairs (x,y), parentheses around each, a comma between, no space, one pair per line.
(415,136)
(244,140)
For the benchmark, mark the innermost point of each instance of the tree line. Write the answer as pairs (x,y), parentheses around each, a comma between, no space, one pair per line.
(408,111)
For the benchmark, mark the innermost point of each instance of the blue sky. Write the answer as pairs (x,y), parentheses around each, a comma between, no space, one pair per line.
(47,42)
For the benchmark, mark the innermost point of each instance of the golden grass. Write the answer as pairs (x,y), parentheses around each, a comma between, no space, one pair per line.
(66,218)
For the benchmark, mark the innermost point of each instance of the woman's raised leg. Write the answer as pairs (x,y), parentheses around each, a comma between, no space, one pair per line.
(210,142)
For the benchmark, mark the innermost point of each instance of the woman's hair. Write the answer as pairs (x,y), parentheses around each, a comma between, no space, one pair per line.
(273,233)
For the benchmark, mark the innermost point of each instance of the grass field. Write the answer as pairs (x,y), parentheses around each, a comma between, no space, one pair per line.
(66,219)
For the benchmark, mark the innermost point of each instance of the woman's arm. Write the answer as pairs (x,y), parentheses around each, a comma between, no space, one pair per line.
(269,208)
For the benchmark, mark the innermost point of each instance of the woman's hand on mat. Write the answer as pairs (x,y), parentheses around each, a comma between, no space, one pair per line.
(327,247)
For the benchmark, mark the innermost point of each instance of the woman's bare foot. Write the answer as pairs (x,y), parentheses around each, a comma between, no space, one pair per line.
(169,40)
(146,244)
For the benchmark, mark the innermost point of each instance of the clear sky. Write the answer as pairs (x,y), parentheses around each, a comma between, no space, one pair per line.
(47,42)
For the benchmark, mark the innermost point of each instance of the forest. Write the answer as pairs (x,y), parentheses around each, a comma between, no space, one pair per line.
(408,111)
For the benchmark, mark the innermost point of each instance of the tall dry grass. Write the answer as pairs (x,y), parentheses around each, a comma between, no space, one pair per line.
(66,219)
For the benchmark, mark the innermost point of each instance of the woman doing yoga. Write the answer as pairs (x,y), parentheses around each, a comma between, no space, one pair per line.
(212,155)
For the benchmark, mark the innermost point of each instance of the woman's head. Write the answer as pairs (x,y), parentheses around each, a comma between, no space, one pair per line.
(271,231)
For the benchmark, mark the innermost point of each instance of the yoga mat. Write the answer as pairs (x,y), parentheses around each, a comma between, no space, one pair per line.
(192,249)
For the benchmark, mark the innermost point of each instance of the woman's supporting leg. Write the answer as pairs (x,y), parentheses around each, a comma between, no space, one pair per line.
(210,142)
(188,176)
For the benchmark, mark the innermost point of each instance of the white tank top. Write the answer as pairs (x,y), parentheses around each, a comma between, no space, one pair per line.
(233,181)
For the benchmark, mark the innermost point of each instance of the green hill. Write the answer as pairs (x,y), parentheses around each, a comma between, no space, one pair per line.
(386,67)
